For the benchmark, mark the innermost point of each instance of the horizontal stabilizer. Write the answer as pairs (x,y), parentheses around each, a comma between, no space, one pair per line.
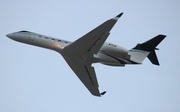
(150,44)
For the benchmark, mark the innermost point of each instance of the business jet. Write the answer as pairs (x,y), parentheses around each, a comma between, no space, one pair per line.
(92,48)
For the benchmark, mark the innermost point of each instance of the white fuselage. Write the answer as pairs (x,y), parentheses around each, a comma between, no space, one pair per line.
(109,54)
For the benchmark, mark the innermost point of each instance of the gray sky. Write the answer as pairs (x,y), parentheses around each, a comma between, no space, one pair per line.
(34,79)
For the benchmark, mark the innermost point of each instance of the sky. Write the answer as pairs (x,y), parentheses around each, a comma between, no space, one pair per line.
(34,79)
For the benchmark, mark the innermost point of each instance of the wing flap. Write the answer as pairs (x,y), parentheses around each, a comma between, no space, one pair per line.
(97,45)
(92,75)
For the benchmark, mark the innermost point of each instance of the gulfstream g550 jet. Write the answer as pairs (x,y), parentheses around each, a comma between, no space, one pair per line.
(92,48)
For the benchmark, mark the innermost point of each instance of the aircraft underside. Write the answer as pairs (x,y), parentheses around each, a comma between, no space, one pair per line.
(92,48)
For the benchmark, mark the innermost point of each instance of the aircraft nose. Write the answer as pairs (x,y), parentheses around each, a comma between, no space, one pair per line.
(10,35)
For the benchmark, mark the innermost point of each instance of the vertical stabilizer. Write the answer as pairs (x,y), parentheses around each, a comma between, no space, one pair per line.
(147,49)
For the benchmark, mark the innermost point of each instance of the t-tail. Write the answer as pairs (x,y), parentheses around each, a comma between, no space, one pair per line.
(146,49)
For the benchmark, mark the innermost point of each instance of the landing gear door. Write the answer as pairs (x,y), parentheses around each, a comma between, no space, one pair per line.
(31,37)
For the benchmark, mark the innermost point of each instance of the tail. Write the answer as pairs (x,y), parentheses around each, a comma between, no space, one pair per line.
(146,49)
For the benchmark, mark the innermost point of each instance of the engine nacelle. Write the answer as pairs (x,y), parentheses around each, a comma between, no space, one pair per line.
(114,49)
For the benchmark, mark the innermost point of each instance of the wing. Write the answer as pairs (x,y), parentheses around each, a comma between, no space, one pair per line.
(86,46)
(93,41)
(85,72)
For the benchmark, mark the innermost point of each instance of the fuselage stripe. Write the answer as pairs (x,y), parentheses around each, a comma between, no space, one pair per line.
(120,59)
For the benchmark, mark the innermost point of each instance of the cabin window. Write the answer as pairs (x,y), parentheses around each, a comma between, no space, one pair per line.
(23,31)
(53,39)
(46,38)
(40,36)
(59,40)
(112,45)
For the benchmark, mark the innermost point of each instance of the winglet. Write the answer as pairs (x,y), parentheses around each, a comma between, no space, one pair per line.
(118,16)
(103,93)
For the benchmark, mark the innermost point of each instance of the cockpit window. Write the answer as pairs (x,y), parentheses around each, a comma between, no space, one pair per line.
(23,31)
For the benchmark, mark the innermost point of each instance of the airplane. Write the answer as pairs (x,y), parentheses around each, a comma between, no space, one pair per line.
(92,48)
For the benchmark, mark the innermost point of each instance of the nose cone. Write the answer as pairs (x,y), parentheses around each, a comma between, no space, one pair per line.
(10,35)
